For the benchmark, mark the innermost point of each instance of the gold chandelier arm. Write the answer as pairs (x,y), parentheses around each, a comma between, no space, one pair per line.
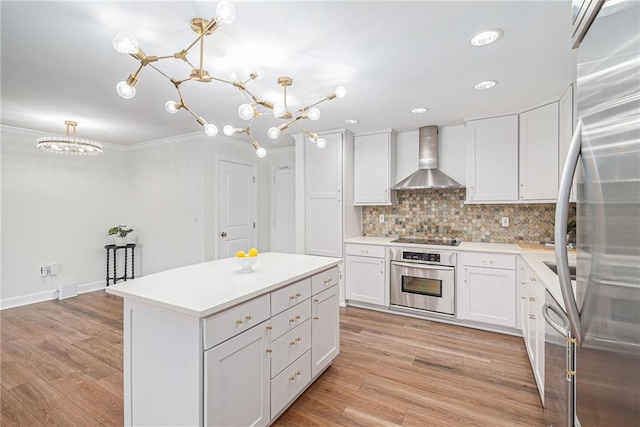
(302,110)
(221,80)
(161,72)
(210,28)
(201,53)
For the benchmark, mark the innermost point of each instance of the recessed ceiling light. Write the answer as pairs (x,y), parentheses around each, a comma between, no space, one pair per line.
(485,85)
(351,121)
(419,110)
(486,37)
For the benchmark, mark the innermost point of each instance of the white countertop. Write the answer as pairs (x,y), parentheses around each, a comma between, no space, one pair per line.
(204,289)
(504,248)
(534,259)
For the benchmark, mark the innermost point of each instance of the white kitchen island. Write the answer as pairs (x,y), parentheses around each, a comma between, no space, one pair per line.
(208,345)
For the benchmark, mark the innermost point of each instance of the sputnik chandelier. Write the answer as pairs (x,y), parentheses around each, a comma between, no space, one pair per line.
(69,144)
(254,107)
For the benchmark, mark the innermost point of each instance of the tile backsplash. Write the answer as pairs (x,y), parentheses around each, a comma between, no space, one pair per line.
(443,214)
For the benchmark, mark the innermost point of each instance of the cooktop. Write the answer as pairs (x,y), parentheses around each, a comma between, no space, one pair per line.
(426,241)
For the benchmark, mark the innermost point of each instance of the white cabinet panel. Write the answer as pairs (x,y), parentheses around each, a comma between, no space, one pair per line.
(374,168)
(365,279)
(492,160)
(539,153)
(565,131)
(489,296)
(237,381)
(325,329)
(290,382)
(324,216)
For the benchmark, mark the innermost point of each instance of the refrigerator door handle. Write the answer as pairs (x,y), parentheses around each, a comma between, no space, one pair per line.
(562,210)
(561,329)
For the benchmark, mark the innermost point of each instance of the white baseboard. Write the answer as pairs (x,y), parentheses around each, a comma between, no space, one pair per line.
(46,295)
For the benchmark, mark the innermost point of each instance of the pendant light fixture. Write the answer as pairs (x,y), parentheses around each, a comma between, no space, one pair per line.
(254,107)
(69,144)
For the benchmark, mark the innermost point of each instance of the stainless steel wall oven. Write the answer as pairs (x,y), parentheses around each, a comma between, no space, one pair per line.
(423,279)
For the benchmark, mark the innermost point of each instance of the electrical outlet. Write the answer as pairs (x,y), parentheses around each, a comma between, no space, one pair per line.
(504,221)
(381,218)
(44,270)
(54,269)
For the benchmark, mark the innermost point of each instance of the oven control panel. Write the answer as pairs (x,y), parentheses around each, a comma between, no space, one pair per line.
(421,256)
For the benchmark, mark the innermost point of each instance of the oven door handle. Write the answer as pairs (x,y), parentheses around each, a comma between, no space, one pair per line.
(422,266)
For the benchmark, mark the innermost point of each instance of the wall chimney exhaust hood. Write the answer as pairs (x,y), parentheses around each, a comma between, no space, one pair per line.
(428,176)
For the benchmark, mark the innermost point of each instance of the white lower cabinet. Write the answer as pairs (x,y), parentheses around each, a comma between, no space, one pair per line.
(236,389)
(488,291)
(532,294)
(253,371)
(325,329)
(365,279)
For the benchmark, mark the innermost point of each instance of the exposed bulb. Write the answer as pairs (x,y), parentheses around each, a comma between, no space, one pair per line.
(273,132)
(340,92)
(259,73)
(225,12)
(233,76)
(246,112)
(125,91)
(210,129)
(261,152)
(279,110)
(228,130)
(313,114)
(321,143)
(125,42)
(172,107)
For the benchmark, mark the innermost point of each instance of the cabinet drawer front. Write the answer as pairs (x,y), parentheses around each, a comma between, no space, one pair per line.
(289,319)
(324,280)
(289,296)
(289,383)
(366,250)
(489,260)
(222,326)
(289,347)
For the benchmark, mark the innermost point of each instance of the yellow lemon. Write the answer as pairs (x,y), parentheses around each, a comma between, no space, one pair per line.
(240,254)
(253,252)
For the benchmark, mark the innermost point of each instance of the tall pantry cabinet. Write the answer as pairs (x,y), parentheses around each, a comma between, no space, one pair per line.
(327,217)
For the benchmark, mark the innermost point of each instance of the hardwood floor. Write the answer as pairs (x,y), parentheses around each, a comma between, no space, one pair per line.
(61,364)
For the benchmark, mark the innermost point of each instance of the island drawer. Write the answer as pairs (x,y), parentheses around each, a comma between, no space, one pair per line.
(366,250)
(290,382)
(290,296)
(289,319)
(324,280)
(289,347)
(489,260)
(222,326)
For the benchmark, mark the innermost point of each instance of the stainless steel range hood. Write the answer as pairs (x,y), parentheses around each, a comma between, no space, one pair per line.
(428,176)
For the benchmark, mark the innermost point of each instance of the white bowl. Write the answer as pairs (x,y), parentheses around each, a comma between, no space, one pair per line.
(246,263)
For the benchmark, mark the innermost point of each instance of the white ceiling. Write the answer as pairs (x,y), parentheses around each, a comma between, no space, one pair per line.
(58,63)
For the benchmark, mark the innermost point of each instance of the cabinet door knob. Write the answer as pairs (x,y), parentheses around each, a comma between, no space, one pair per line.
(223,234)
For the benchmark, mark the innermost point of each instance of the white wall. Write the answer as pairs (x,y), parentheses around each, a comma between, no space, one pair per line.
(167,210)
(57,208)
(407,154)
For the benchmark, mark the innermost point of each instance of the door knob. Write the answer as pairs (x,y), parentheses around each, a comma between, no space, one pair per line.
(223,234)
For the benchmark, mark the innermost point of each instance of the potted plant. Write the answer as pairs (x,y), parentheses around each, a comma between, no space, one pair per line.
(571,227)
(120,231)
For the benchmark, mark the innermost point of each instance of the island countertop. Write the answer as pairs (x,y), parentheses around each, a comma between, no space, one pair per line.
(207,288)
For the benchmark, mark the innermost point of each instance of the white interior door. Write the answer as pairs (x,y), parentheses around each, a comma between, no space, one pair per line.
(236,208)
(284,212)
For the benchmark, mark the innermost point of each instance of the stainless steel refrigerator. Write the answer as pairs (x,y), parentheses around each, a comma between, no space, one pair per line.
(604,310)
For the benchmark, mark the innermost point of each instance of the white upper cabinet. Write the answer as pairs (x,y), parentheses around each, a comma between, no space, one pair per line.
(492,159)
(374,168)
(539,153)
(565,130)
(323,169)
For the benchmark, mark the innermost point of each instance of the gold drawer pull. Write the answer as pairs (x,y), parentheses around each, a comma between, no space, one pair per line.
(532,316)
(249,318)
(298,339)
(239,322)
(292,297)
(532,299)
